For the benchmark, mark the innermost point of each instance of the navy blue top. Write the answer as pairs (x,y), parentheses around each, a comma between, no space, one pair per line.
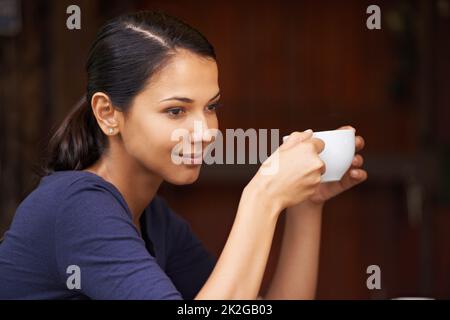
(76,219)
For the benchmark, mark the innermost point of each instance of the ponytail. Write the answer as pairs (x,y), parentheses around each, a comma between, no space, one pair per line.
(77,143)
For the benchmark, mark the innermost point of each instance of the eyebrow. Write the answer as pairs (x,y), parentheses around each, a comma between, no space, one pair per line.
(188,100)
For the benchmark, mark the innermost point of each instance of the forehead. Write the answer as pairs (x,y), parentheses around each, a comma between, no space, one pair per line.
(186,74)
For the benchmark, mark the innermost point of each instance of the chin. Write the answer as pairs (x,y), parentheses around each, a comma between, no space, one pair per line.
(184,175)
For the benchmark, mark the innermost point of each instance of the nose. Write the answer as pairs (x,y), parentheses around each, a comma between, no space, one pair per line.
(200,130)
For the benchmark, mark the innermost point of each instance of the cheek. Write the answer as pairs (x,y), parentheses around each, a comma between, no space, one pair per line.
(147,139)
(158,139)
(213,123)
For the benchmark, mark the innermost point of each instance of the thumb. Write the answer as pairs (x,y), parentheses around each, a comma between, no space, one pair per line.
(295,138)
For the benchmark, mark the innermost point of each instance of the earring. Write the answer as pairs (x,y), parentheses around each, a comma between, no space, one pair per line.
(111,130)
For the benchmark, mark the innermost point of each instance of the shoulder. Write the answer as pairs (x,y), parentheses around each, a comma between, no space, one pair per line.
(64,191)
(85,195)
(91,213)
(61,183)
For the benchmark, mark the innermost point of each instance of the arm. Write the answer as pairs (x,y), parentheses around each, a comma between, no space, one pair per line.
(295,175)
(240,267)
(296,273)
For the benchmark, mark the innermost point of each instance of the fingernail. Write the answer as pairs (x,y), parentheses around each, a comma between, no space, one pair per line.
(354,173)
(308,131)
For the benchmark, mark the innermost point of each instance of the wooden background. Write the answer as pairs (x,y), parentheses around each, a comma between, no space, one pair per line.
(290,65)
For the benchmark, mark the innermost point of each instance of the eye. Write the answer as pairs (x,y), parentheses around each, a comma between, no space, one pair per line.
(213,107)
(175,112)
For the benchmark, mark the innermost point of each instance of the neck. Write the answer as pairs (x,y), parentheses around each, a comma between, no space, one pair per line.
(137,185)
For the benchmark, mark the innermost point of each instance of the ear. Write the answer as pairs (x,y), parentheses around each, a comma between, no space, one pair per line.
(105,113)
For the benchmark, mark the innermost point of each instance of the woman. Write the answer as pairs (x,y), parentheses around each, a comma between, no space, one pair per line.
(95,228)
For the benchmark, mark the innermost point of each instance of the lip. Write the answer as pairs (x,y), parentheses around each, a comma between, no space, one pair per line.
(192,159)
(192,156)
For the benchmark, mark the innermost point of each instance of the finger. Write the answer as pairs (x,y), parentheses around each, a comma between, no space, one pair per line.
(358,161)
(358,174)
(296,137)
(318,144)
(347,127)
(359,143)
(352,177)
(323,167)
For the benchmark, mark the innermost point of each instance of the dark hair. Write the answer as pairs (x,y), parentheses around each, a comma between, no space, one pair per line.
(126,53)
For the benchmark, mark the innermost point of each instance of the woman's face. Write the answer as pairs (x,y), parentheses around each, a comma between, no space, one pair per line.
(183,93)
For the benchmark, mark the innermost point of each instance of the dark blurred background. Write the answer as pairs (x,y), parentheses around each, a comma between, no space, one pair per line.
(290,65)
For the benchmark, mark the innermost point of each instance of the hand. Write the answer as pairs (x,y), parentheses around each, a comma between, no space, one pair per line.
(354,176)
(297,174)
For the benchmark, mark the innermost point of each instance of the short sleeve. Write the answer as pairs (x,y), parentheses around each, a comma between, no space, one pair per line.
(189,263)
(95,232)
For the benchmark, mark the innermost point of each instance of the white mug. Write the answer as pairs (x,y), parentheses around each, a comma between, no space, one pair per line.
(338,152)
